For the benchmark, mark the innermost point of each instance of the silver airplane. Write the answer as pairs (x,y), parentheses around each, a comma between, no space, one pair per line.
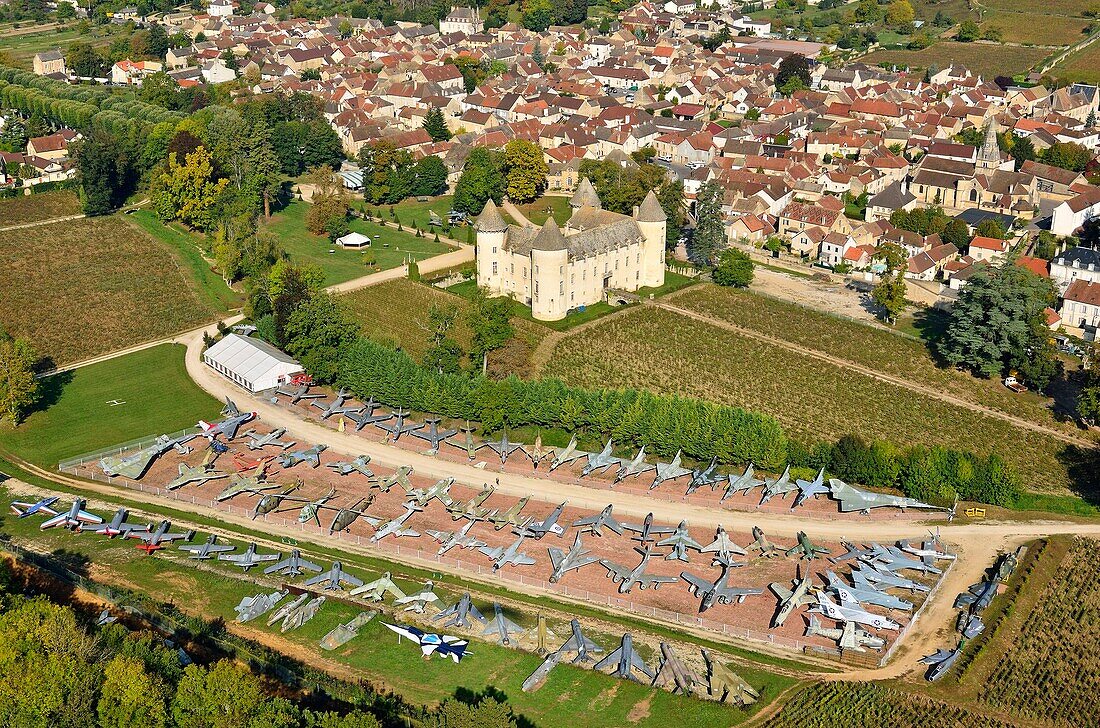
(334,579)
(637,466)
(862,595)
(742,483)
(941,661)
(646,530)
(376,590)
(565,561)
(156,539)
(625,660)
(851,612)
(511,516)
(978,596)
(72,518)
(810,489)
(293,565)
(538,529)
(472,509)
(806,548)
(312,456)
(567,454)
(117,526)
(848,637)
(894,559)
(394,526)
(791,599)
(399,426)
(503,447)
(358,465)
(437,490)
(868,576)
(228,427)
(718,591)
(433,435)
(970,625)
(579,644)
(668,471)
(627,577)
(24,509)
(134,465)
(680,541)
(193,474)
(501,627)
(601,460)
(504,555)
(761,543)
(779,486)
(207,550)
(419,601)
(723,546)
(398,477)
(705,476)
(460,538)
(856,499)
(249,558)
(595,524)
(851,552)
(930,550)
(256,441)
(336,406)
(299,393)
(460,613)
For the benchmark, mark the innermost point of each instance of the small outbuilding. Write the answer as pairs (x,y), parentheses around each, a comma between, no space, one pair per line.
(354,241)
(252,363)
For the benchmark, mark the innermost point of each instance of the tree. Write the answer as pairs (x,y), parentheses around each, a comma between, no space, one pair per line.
(957,234)
(900,12)
(430,175)
(537,15)
(889,294)
(131,696)
(444,354)
(710,229)
(490,324)
(225,696)
(436,126)
(84,60)
(1022,150)
(13,132)
(968,32)
(1067,155)
(671,197)
(734,268)
(104,172)
(480,180)
(188,192)
(990,228)
(525,169)
(793,66)
(317,333)
(18,386)
(330,201)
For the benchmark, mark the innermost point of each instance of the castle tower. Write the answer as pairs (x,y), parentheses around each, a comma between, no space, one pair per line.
(492,232)
(653,223)
(549,268)
(585,196)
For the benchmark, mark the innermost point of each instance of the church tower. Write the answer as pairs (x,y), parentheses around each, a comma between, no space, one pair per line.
(989,156)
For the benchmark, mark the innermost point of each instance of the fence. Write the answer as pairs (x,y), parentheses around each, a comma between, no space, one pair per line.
(67,466)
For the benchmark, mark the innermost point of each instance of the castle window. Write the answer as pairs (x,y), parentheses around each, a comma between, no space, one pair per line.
(494,250)
(494,267)
(561,287)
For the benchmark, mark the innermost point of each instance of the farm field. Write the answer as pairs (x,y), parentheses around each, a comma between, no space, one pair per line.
(986,59)
(1083,66)
(1055,7)
(390,249)
(665,352)
(1036,27)
(77,414)
(20,49)
(113,287)
(34,208)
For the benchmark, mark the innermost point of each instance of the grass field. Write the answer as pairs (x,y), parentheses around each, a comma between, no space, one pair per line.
(20,49)
(391,247)
(33,208)
(1083,66)
(411,212)
(665,352)
(76,415)
(986,59)
(1037,28)
(1054,7)
(90,286)
(539,210)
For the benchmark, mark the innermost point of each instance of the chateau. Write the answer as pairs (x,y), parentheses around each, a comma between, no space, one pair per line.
(555,270)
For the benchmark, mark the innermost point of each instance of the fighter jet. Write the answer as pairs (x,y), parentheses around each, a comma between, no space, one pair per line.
(358,465)
(503,447)
(134,465)
(810,489)
(625,660)
(501,627)
(779,486)
(868,576)
(719,591)
(117,526)
(848,637)
(647,531)
(565,561)
(580,644)
(806,548)
(24,509)
(394,526)
(257,441)
(725,685)
(228,427)
(856,499)
(930,550)
(538,529)
(627,577)
(466,442)
(850,612)
(743,483)
(154,540)
(675,673)
(668,471)
(567,454)
(503,555)
(293,565)
(417,602)
(334,578)
(249,558)
(193,474)
(472,509)
(538,453)
(789,600)
(312,509)
(336,406)
(851,552)
(977,596)
(298,393)
(376,590)
(970,625)
(510,517)
(268,502)
(239,484)
(761,543)
(313,456)
(207,550)
(73,517)
(864,595)
(433,644)
(439,489)
(701,477)
(595,524)
(601,460)
(941,661)
(893,559)
(398,427)
(398,477)
(637,466)
(460,538)
(434,436)
(460,613)
(680,541)
(366,416)
(722,546)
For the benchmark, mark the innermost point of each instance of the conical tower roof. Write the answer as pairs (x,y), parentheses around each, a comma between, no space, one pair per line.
(585,195)
(990,150)
(490,221)
(651,210)
(549,237)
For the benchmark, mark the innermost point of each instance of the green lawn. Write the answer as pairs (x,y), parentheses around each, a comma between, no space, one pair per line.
(539,210)
(411,212)
(76,417)
(211,287)
(390,249)
(20,49)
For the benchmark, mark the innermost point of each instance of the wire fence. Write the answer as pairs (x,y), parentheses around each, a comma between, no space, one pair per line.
(140,443)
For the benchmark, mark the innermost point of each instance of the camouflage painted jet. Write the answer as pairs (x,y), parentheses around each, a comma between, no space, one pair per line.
(565,561)
(117,526)
(228,427)
(742,483)
(154,540)
(239,484)
(848,637)
(336,406)
(538,453)
(398,427)
(567,454)
(72,518)
(419,601)
(627,577)
(376,590)
(334,579)
(668,471)
(637,466)
(806,548)
(594,524)
(724,685)
(672,671)
(460,538)
(625,660)
(718,591)
(207,550)
(791,599)
(433,435)
(133,466)
(256,441)
(761,543)
(193,474)
(293,565)
(471,509)
(398,477)
(466,442)
(437,490)
(705,476)
(358,465)
(511,516)
(312,456)
(249,558)
(680,541)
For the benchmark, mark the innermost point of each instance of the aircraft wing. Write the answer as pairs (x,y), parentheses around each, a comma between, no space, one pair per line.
(679,540)
(319,578)
(520,560)
(700,584)
(652,579)
(610,659)
(353,580)
(619,571)
(556,556)
(736,592)
(85,517)
(636,661)
(572,646)
(493,552)
(781,591)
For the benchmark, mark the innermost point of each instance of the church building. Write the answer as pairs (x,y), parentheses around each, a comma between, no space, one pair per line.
(555,270)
